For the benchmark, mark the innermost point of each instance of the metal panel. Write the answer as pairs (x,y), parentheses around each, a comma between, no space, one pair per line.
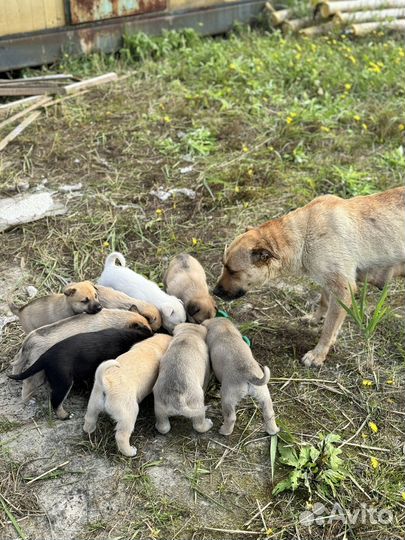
(95,10)
(30,15)
(47,47)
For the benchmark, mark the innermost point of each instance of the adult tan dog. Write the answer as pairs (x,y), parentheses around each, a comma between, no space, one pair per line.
(76,298)
(331,240)
(121,384)
(185,278)
(42,339)
(113,299)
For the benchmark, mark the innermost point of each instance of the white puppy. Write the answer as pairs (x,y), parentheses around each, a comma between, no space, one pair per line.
(125,280)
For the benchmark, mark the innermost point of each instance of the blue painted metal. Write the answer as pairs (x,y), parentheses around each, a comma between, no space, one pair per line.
(95,10)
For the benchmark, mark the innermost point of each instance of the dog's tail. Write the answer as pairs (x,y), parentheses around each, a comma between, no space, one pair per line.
(264,380)
(102,368)
(110,260)
(14,309)
(32,370)
(185,410)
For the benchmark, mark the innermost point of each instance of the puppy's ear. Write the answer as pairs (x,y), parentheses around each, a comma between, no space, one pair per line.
(142,329)
(249,228)
(261,256)
(135,309)
(192,308)
(69,290)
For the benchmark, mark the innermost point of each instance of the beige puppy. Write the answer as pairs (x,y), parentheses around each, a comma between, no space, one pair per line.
(121,384)
(183,377)
(239,374)
(331,240)
(186,279)
(40,340)
(76,298)
(113,299)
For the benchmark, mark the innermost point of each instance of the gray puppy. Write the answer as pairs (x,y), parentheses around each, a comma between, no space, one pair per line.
(238,372)
(183,377)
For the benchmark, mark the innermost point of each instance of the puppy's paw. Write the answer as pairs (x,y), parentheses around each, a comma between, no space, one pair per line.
(130,452)
(312,318)
(225,430)
(311,358)
(272,429)
(89,427)
(163,428)
(205,426)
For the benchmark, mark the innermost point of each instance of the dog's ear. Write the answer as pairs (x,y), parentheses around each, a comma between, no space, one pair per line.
(142,329)
(261,256)
(135,309)
(192,308)
(69,290)
(249,228)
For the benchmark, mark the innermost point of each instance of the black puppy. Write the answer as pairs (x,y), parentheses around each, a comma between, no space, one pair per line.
(77,358)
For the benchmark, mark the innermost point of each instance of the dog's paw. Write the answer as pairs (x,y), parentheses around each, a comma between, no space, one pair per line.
(272,429)
(311,358)
(312,318)
(205,426)
(131,452)
(163,428)
(89,427)
(225,430)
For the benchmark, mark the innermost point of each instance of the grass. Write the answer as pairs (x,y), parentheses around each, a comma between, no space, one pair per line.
(266,124)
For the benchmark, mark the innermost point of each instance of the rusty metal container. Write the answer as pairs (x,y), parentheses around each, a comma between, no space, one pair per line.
(82,11)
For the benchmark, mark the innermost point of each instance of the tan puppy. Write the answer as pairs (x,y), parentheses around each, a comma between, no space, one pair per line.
(183,377)
(185,278)
(113,299)
(76,298)
(331,240)
(121,384)
(40,340)
(239,374)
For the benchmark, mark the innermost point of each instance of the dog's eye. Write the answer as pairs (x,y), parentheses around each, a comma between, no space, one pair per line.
(231,272)
(85,301)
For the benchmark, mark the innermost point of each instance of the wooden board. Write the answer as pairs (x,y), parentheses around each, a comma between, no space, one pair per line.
(17,16)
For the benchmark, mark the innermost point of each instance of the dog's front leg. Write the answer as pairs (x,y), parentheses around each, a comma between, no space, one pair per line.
(333,321)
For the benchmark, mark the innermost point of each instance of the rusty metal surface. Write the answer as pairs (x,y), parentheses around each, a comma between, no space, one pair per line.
(46,47)
(95,10)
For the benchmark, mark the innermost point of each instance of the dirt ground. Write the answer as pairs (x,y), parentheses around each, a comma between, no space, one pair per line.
(145,132)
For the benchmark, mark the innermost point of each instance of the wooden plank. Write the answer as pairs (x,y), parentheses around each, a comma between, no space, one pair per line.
(44,78)
(18,103)
(32,107)
(19,129)
(35,90)
(95,81)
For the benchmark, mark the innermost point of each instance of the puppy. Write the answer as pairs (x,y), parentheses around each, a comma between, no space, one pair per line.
(121,384)
(76,298)
(239,374)
(112,299)
(76,359)
(331,240)
(186,279)
(125,280)
(183,377)
(40,340)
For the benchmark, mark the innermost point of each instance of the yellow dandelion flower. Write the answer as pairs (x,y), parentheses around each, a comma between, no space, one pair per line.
(245,149)
(289,120)
(167,119)
(237,189)
(159,211)
(373,427)
(325,129)
(390,381)
(367,382)
(194,241)
(374,463)
(401,53)
(232,66)
(357,118)
(106,244)
(401,127)
(348,86)
(364,126)
(293,115)
(269,532)
(250,173)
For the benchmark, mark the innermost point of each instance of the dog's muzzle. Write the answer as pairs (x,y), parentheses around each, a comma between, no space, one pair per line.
(226,295)
(95,309)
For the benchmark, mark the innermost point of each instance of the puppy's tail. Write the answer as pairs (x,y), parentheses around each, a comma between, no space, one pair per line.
(14,309)
(102,368)
(32,370)
(264,380)
(110,260)
(190,412)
